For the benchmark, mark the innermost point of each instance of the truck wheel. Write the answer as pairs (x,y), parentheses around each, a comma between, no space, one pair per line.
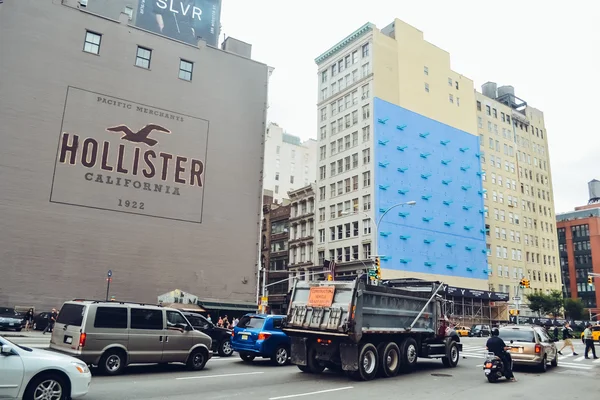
(452,356)
(408,354)
(368,362)
(389,359)
(315,366)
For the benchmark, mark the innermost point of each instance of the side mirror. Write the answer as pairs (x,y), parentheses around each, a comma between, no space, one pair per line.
(182,326)
(6,350)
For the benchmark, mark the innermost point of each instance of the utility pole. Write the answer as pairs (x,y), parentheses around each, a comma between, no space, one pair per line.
(108,281)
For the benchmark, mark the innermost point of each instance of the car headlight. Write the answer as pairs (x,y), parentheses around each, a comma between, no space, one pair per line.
(81,367)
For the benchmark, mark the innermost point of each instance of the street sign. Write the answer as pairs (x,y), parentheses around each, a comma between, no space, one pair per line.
(373,272)
(109,273)
(264,301)
(516,298)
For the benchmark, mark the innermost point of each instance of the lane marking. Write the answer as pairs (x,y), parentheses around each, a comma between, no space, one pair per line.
(218,376)
(596,361)
(311,393)
(575,366)
(580,358)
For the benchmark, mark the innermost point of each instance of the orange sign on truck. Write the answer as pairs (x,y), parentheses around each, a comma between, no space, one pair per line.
(321,296)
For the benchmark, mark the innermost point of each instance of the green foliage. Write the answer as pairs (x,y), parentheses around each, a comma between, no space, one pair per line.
(551,303)
(574,309)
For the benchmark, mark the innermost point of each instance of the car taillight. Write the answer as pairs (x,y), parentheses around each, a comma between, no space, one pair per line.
(82,338)
(324,341)
(264,336)
(232,334)
(538,349)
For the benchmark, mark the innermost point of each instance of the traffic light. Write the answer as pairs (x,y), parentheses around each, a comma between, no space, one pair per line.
(378,265)
(514,312)
(590,280)
(526,283)
(522,283)
(329,277)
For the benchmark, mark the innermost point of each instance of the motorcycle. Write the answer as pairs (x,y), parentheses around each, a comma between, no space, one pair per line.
(493,367)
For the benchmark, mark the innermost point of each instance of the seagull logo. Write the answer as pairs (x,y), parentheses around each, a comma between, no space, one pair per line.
(140,136)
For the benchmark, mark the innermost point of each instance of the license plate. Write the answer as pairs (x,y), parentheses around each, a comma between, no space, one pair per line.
(68,340)
(487,371)
(244,337)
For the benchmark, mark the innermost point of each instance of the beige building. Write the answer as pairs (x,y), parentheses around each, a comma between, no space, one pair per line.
(519,203)
(395,64)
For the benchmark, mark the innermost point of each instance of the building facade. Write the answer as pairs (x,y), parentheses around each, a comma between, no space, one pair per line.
(275,256)
(579,246)
(396,127)
(289,164)
(520,222)
(104,160)
(302,233)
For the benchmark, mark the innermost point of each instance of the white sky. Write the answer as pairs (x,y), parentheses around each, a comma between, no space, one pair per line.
(548,50)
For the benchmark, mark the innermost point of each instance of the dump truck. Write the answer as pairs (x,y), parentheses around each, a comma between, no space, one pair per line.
(368,330)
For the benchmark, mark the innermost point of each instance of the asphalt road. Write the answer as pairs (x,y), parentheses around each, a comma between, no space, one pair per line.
(230,378)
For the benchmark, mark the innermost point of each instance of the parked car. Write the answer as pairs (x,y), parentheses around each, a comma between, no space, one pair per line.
(113,335)
(40,321)
(462,330)
(530,345)
(259,335)
(480,330)
(221,337)
(10,319)
(39,374)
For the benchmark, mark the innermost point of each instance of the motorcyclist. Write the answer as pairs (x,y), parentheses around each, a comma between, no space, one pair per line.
(497,346)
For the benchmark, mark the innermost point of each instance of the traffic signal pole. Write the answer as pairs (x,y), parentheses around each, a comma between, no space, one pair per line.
(518,302)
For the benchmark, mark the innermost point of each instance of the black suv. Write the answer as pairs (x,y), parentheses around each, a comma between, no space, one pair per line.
(480,330)
(221,337)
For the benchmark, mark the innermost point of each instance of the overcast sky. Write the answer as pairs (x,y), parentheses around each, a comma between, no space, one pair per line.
(548,50)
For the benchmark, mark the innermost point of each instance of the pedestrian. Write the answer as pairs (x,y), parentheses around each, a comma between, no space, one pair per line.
(208,318)
(29,319)
(567,336)
(220,322)
(51,321)
(588,339)
(235,322)
(226,322)
(556,333)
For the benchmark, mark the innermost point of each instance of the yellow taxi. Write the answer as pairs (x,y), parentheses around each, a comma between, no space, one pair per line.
(595,333)
(462,330)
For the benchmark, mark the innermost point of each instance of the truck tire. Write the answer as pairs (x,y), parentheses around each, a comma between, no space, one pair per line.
(315,366)
(408,354)
(368,363)
(452,355)
(389,359)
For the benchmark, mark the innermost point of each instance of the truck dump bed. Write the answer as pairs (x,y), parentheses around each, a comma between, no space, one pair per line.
(355,308)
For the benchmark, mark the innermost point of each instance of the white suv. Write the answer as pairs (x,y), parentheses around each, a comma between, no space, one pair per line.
(39,374)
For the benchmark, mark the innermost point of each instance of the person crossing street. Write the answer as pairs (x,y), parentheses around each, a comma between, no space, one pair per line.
(588,340)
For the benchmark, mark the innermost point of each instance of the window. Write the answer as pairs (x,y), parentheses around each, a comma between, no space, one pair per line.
(495,113)
(142,58)
(322,152)
(92,42)
(449,81)
(451,98)
(111,317)
(323,132)
(366,112)
(478,106)
(292,179)
(323,114)
(488,110)
(355,160)
(367,179)
(322,173)
(321,214)
(427,87)
(276,176)
(322,193)
(355,181)
(366,156)
(365,50)
(276,189)
(426,70)
(366,251)
(324,76)
(185,70)
(146,319)
(367,202)
(366,131)
(355,138)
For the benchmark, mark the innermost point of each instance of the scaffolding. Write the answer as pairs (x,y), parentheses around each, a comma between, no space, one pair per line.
(471,311)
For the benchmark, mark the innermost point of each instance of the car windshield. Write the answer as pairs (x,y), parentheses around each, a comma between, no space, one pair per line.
(517,335)
(251,322)
(4,341)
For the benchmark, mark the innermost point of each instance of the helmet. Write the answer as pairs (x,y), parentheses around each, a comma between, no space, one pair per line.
(495,332)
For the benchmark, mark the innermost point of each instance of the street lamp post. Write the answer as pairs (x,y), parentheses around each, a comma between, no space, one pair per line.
(376,239)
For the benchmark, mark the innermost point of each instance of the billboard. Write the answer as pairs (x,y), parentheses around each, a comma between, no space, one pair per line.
(130,158)
(184,20)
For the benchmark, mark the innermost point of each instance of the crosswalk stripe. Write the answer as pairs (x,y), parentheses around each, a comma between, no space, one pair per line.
(597,361)
(580,358)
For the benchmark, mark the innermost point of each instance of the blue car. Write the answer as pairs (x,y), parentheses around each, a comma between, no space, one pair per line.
(260,335)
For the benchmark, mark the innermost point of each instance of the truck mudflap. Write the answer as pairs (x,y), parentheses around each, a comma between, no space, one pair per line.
(349,356)
(298,350)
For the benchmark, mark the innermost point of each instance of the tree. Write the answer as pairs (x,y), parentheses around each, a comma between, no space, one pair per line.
(574,308)
(554,303)
(536,303)
(551,303)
